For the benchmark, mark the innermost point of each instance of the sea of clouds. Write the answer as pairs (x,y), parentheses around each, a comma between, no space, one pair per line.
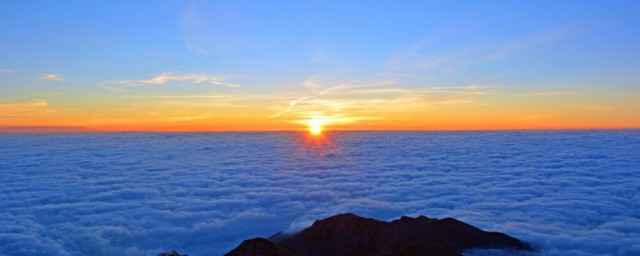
(566,193)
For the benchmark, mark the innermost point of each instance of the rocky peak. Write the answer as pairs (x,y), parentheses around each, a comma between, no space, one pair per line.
(352,235)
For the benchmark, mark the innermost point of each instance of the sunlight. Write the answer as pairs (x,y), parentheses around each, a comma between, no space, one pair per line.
(315,127)
(316,124)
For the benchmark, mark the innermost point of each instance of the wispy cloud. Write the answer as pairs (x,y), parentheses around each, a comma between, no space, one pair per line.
(175,96)
(357,100)
(440,53)
(594,108)
(52,77)
(34,103)
(311,83)
(319,56)
(206,33)
(22,108)
(418,56)
(7,70)
(532,40)
(547,94)
(167,77)
(400,58)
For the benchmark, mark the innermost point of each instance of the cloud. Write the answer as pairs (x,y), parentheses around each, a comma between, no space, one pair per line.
(311,82)
(547,94)
(52,77)
(7,70)
(21,108)
(594,108)
(449,55)
(169,77)
(205,33)
(356,101)
(418,56)
(203,193)
(319,56)
(530,41)
(29,104)
(176,96)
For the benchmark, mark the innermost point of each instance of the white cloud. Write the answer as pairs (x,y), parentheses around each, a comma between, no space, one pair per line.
(52,77)
(7,70)
(567,193)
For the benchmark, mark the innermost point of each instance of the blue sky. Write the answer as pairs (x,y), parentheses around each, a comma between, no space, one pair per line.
(273,47)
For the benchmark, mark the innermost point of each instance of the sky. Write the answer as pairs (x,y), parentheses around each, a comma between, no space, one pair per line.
(288,65)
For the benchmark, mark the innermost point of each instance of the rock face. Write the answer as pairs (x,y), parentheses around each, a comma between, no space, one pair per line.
(259,247)
(172,253)
(351,235)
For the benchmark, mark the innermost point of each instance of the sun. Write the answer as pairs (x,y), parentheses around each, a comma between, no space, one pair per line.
(315,127)
(317,124)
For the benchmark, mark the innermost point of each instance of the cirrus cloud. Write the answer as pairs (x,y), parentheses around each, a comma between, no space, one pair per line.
(167,77)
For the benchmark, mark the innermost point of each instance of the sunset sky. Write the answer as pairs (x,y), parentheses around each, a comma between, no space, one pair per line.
(283,65)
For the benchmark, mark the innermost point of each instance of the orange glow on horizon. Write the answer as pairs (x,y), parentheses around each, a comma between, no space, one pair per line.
(34,117)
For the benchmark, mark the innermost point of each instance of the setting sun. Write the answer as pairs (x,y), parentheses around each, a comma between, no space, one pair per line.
(316,124)
(315,127)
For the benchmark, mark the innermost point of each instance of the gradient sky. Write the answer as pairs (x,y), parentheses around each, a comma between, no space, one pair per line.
(279,65)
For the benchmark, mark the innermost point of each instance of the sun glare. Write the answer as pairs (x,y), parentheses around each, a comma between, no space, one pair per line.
(317,124)
(315,128)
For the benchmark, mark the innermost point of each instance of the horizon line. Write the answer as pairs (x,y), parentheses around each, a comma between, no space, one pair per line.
(81,129)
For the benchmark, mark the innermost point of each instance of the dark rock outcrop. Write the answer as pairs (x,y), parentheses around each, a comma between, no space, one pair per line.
(260,247)
(351,235)
(171,253)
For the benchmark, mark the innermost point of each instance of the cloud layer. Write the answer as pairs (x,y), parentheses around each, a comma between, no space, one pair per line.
(568,193)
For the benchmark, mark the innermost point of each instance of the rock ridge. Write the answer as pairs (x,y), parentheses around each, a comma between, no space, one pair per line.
(351,235)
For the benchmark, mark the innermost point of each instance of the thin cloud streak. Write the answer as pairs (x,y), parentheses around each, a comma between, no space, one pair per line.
(169,77)
(427,54)
(22,108)
(295,102)
(362,101)
(547,94)
(34,103)
(175,96)
(52,77)
(531,41)
(418,56)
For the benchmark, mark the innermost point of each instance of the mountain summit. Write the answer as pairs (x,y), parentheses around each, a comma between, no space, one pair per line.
(352,235)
